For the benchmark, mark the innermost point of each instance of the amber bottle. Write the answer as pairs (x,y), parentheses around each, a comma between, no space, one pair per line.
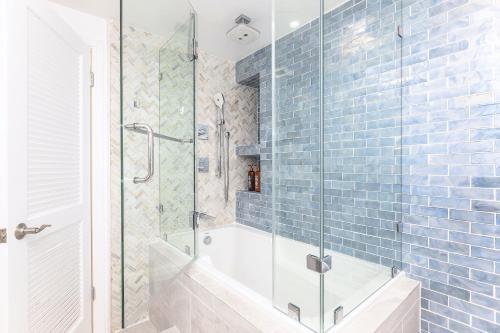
(251,179)
(257,178)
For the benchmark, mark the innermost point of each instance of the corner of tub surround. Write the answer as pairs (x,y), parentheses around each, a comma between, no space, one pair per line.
(395,308)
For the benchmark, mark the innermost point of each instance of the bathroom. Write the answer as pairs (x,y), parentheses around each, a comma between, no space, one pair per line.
(249,166)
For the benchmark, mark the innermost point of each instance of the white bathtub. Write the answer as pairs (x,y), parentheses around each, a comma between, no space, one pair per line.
(242,257)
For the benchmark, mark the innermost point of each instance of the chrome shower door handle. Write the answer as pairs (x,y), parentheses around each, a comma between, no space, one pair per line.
(23,230)
(151,151)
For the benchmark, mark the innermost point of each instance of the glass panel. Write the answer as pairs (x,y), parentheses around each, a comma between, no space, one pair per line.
(176,170)
(156,37)
(296,157)
(362,149)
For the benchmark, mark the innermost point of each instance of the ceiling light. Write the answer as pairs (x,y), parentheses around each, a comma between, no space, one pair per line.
(294,24)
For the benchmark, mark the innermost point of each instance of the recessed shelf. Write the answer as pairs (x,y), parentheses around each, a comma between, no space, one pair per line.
(248,150)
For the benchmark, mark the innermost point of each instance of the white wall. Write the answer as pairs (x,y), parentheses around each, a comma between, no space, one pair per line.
(3,166)
(94,32)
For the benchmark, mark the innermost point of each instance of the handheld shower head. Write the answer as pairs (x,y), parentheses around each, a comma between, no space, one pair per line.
(219,100)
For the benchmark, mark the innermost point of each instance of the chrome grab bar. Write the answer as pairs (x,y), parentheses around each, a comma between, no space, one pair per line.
(162,136)
(151,150)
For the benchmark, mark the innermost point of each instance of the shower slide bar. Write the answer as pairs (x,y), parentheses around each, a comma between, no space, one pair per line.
(157,135)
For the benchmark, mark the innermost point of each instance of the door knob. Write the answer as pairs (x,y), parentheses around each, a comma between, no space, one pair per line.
(23,230)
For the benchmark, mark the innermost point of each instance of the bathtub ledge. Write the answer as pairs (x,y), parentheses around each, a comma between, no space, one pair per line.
(393,309)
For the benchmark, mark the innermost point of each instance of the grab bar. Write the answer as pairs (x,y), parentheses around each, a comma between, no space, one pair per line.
(151,150)
(162,136)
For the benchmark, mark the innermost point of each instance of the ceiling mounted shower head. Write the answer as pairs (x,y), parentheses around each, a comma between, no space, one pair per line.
(243,33)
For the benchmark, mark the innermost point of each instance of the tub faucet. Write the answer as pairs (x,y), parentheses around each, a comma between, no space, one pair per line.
(201,215)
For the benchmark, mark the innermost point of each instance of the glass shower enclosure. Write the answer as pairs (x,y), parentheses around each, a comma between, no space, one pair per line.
(157,143)
(336,155)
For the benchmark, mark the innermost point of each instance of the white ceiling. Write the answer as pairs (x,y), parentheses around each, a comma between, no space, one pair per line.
(215,18)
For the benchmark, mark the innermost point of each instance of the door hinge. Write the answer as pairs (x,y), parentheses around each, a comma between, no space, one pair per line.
(400,31)
(3,235)
(160,76)
(399,227)
(394,271)
(92,79)
(294,311)
(194,51)
(319,265)
(93,293)
(338,315)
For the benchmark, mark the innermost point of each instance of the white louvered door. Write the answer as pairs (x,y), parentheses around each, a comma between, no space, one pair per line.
(49,172)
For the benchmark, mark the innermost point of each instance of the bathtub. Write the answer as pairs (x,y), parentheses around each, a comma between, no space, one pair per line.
(241,256)
(230,285)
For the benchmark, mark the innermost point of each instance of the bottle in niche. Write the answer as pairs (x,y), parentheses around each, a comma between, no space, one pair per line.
(251,179)
(257,178)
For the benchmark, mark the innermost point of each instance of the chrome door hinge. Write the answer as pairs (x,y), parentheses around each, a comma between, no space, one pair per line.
(93,293)
(92,79)
(394,271)
(400,31)
(338,315)
(194,50)
(160,208)
(3,235)
(294,311)
(319,265)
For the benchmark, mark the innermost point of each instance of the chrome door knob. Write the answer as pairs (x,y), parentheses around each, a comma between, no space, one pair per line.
(23,230)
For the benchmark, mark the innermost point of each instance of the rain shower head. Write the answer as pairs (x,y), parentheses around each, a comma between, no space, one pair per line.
(243,33)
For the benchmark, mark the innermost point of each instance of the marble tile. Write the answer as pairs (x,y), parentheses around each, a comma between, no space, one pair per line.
(240,111)
(204,320)
(143,327)
(386,311)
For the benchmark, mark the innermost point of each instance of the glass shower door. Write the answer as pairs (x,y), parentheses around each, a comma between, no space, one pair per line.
(362,150)
(176,149)
(157,157)
(336,155)
(296,160)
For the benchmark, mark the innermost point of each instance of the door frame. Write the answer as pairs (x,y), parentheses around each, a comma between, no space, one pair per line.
(4,280)
(94,31)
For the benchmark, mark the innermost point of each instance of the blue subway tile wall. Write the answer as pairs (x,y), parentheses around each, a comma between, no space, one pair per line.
(362,132)
(450,179)
(449,193)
